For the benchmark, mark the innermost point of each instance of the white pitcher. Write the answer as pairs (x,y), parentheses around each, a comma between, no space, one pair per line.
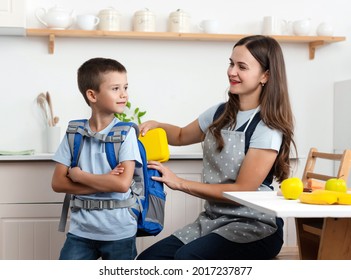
(55,17)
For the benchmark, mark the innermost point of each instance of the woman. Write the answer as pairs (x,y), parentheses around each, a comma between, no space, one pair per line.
(247,143)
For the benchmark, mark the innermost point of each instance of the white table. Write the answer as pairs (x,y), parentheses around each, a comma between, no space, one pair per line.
(323,231)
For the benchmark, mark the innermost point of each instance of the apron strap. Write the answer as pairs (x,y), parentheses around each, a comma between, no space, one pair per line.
(251,118)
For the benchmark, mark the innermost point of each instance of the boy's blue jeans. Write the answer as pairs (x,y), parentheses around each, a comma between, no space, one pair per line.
(78,248)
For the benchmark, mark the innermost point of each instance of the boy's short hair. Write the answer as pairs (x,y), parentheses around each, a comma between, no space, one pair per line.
(89,73)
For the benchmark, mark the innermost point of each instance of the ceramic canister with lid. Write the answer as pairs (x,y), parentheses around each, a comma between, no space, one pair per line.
(179,21)
(109,19)
(144,21)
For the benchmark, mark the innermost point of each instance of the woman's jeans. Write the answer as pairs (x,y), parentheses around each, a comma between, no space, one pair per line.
(215,247)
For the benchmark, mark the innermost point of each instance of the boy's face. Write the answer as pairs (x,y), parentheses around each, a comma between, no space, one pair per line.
(113,95)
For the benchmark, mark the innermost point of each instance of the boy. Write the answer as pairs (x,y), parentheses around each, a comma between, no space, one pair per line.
(99,233)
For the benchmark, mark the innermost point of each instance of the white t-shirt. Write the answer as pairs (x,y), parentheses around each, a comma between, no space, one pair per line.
(263,136)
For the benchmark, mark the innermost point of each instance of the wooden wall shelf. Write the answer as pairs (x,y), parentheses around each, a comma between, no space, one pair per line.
(312,41)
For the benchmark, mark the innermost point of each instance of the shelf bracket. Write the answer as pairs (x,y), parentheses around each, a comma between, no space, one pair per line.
(312,47)
(51,43)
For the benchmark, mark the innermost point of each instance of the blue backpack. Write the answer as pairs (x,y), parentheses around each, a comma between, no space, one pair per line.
(147,201)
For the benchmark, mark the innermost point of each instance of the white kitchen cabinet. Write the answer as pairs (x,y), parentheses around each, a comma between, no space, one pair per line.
(12,17)
(30,210)
(29,231)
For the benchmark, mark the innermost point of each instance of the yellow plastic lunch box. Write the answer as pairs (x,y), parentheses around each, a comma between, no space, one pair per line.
(156,145)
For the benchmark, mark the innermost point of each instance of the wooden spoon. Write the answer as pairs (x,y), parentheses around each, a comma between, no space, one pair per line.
(56,120)
(41,101)
(51,112)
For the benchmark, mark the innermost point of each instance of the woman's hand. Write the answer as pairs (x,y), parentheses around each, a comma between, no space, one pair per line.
(146,126)
(168,177)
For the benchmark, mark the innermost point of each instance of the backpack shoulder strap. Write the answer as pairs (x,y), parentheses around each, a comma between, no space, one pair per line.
(130,124)
(75,133)
(116,137)
(64,212)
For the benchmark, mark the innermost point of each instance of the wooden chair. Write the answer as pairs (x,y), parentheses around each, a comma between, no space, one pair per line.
(316,236)
(343,159)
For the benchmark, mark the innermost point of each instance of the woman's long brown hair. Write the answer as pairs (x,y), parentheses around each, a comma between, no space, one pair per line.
(275,105)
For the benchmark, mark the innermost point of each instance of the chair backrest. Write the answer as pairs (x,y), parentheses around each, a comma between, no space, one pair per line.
(344,161)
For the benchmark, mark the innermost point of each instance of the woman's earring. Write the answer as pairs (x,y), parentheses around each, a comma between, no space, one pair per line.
(262,84)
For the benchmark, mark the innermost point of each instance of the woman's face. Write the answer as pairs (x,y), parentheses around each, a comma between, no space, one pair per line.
(245,73)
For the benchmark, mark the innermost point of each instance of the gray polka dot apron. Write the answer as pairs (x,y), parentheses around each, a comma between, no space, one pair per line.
(234,222)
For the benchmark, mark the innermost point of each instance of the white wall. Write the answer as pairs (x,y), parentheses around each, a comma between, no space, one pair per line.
(173,80)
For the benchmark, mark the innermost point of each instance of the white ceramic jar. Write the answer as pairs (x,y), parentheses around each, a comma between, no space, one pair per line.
(144,21)
(179,21)
(109,20)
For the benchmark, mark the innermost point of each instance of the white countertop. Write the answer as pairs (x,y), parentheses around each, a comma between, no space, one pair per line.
(186,156)
(270,203)
(43,156)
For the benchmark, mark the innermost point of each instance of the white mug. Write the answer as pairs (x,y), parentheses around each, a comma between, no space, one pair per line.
(87,22)
(274,26)
(209,26)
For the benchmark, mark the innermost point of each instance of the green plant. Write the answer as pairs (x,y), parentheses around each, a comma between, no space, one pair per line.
(130,115)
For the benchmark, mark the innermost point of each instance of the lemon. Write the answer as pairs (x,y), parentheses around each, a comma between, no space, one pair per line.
(291,188)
